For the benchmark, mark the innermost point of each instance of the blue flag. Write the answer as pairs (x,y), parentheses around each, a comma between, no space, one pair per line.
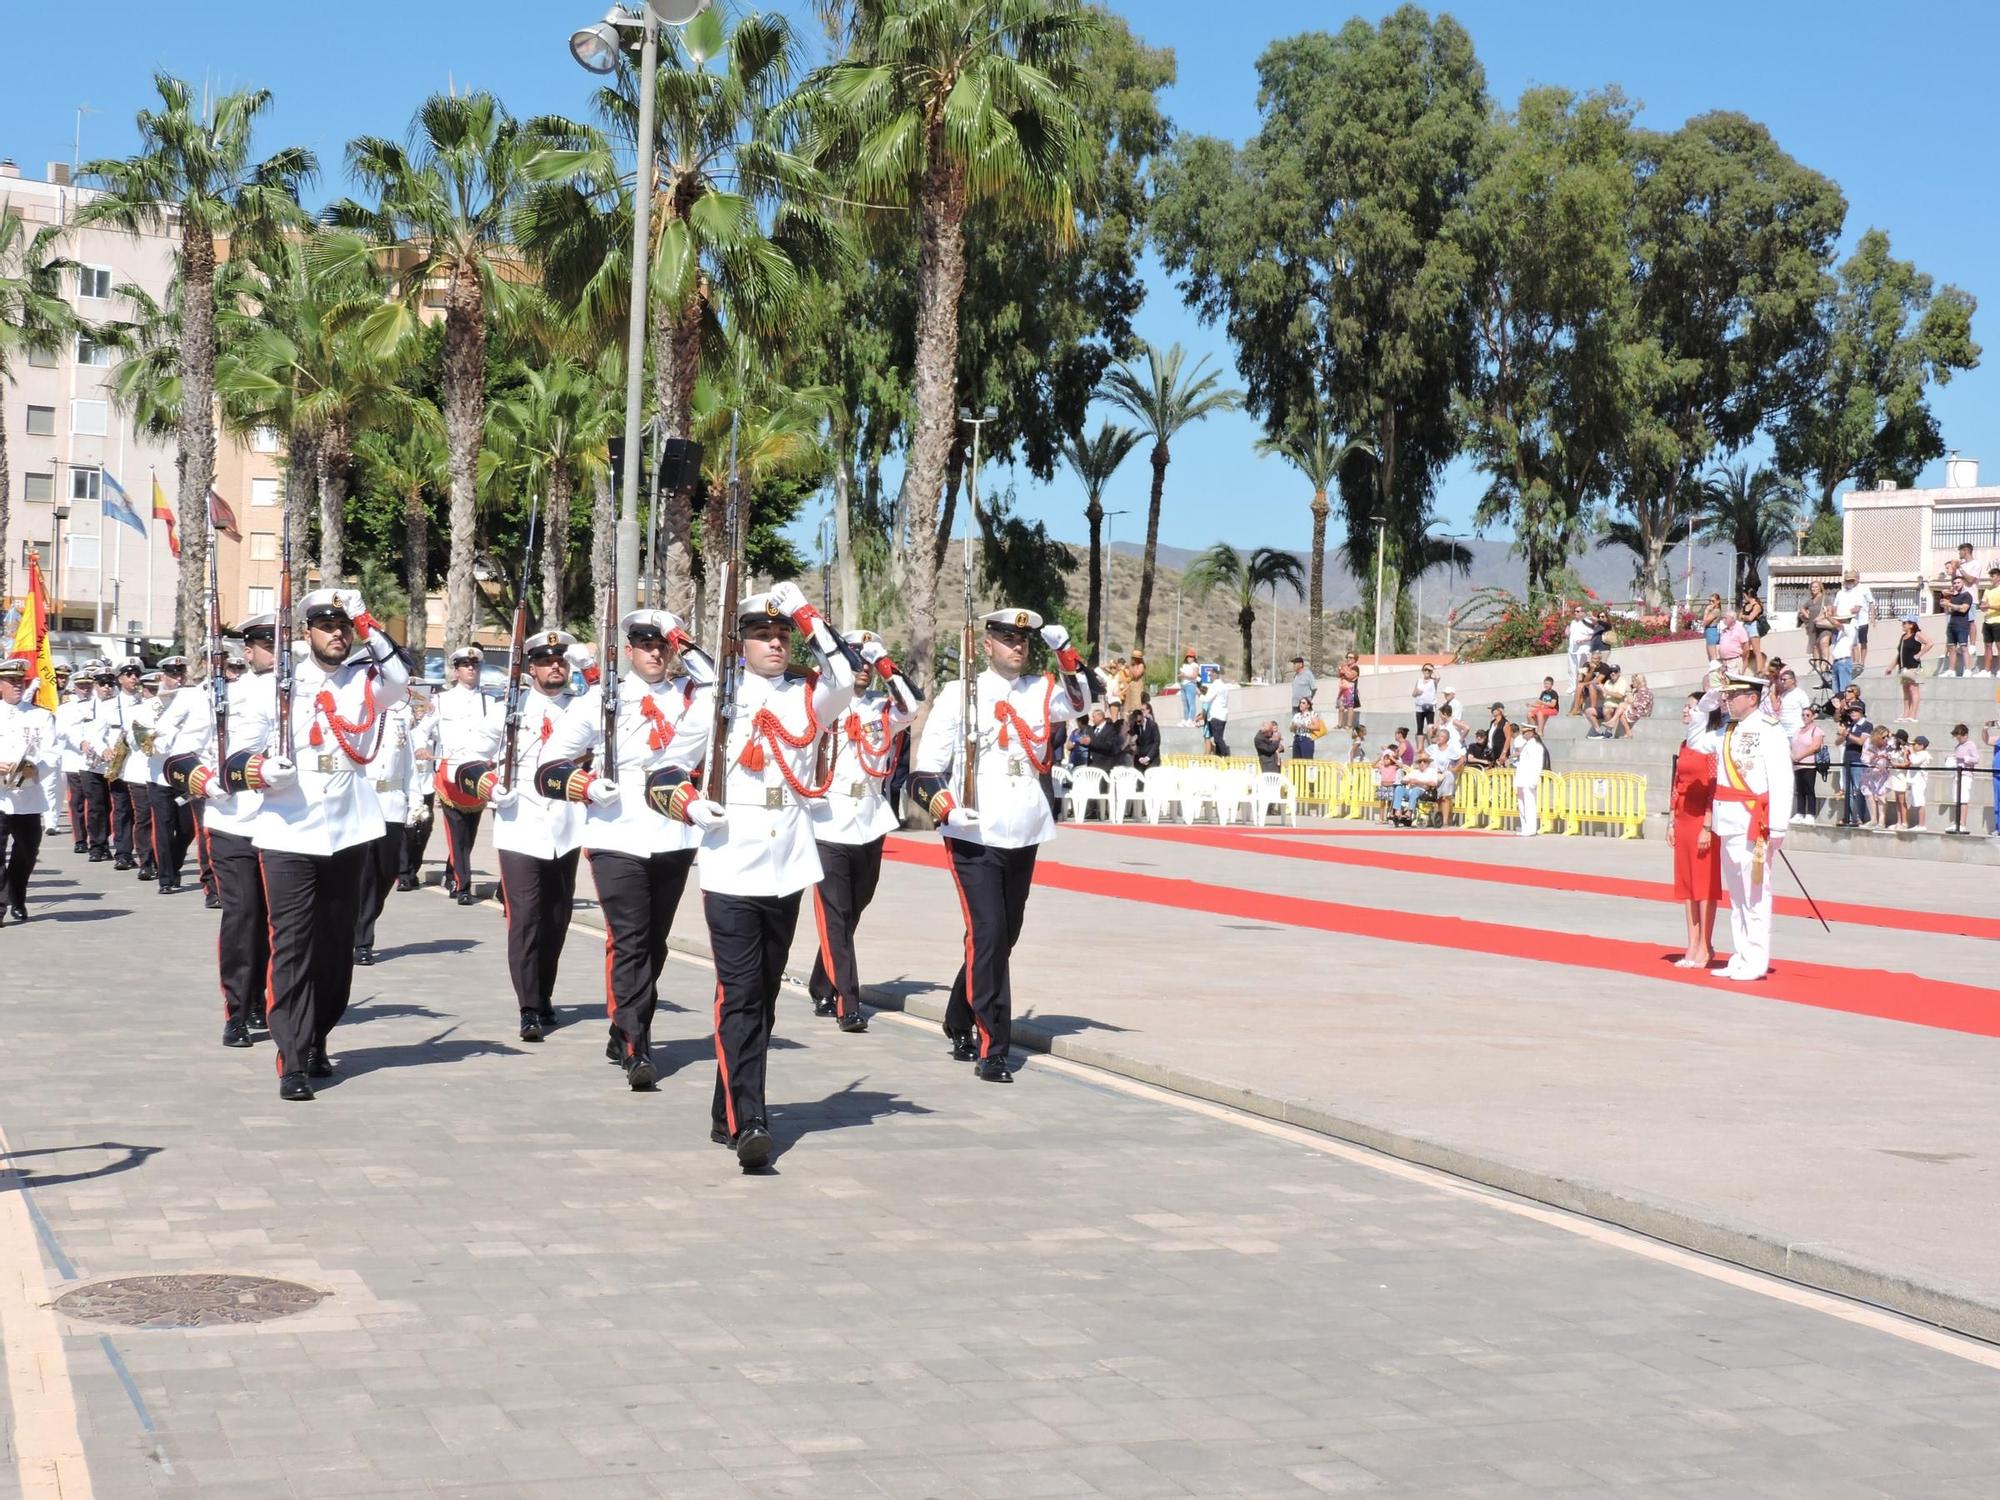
(116,504)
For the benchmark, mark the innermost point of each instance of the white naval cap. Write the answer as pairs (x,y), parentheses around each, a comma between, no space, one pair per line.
(859,638)
(760,609)
(467,653)
(642,623)
(1013,619)
(178,665)
(266,621)
(323,602)
(548,640)
(1742,682)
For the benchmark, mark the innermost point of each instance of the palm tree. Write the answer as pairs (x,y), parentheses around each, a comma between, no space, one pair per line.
(1095,459)
(1754,512)
(736,219)
(34,319)
(557,425)
(1316,450)
(944,104)
(194,175)
(442,205)
(1164,403)
(410,462)
(1223,567)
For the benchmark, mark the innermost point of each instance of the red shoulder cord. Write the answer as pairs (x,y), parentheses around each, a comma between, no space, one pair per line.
(876,755)
(771,729)
(341,728)
(661,734)
(1032,744)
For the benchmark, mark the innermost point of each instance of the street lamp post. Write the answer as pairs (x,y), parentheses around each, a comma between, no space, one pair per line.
(1105,583)
(55,567)
(599,49)
(1449,584)
(1381,541)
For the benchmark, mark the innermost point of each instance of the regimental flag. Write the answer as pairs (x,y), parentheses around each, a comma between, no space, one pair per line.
(221,516)
(164,514)
(117,505)
(31,637)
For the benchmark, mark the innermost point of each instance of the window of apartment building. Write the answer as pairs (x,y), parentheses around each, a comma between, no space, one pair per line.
(89,418)
(40,487)
(93,281)
(41,421)
(90,352)
(259,601)
(263,546)
(264,440)
(39,551)
(43,359)
(263,492)
(84,484)
(80,552)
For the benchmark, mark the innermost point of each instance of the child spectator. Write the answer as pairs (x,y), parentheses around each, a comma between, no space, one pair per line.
(1964,760)
(1920,778)
(1897,798)
(1546,706)
(1876,767)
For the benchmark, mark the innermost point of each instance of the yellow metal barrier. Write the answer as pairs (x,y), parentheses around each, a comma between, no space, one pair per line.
(1320,788)
(1485,799)
(1616,799)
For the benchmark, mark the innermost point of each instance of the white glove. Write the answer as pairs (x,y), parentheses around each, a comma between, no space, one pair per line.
(789,599)
(705,814)
(278,773)
(1055,637)
(602,793)
(350,601)
(698,665)
(873,652)
(503,795)
(414,819)
(961,817)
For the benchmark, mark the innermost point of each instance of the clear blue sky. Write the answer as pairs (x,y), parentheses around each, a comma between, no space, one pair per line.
(1889,102)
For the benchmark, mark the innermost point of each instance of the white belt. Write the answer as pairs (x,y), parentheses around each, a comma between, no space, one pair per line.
(775,799)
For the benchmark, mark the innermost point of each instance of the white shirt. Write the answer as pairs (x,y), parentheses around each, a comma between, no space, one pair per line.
(1792,710)
(1759,752)
(138,713)
(1013,809)
(470,725)
(1218,699)
(532,824)
(27,737)
(185,726)
(1578,636)
(766,848)
(74,717)
(1425,693)
(672,734)
(396,777)
(856,809)
(1845,639)
(1856,603)
(332,806)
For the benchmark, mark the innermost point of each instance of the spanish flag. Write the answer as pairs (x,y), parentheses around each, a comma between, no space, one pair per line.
(31,638)
(164,514)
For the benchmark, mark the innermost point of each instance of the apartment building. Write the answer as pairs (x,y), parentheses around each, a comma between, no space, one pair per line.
(70,449)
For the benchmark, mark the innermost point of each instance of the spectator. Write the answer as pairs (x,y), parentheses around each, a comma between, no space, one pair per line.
(1816,618)
(1855,729)
(1961,569)
(1388,771)
(1215,715)
(1268,745)
(1304,684)
(1500,734)
(1113,673)
(1424,777)
(1478,754)
(1877,765)
(1405,747)
(1697,857)
(1638,705)
(1606,701)
(1910,648)
(1135,677)
(1920,780)
(1990,624)
(1307,727)
(1733,645)
(1993,743)
(1547,705)
(1190,683)
(1756,626)
(1846,640)
(1076,749)
(1145,734)
(1577,643)
(1855,604)
(1105,739)
(1447,715)
(1600,631)
(1711,625)
(1787,703)
(1957,627)
(1347,697)
(1357,744)
(1964,761)
(1896,796)
(1423,699)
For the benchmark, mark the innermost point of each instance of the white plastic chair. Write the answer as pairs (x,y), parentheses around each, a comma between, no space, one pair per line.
(1086,786)
(1163,790)
(1274,791)
(1128,785)
(1198,792)
(1237,793)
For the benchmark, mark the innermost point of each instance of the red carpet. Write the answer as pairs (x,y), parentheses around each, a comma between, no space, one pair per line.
(1883,994)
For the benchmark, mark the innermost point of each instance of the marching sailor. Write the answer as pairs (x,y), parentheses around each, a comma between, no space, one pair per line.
(394,776)
(1019,719)
(535,837)
(470,726)
(757,852)
(850,825)
(95,738)
(135,845)
(181,723)
(639,854)
(76,711)
(1750,813)
(315,822)
(27,750)
(423,799)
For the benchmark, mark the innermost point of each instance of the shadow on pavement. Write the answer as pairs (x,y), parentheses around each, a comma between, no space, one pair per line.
(844,1109)
(387,1010)
(435,945)
(442,1048)
(96,914)
(18,1177)
(1066,1025)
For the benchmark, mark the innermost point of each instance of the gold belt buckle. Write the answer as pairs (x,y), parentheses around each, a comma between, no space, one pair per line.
(326,765)
(1015,766)
(774,798)
(858,790)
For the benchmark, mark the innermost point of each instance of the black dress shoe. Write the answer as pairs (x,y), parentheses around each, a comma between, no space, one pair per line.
(720,1135)
(614,1050)
(212,901)
(147,872)
(640,1072)
(963,1047)
(78,848)
(823,1007)
(124,863)
(236,1034)
(169,887)
(316,1064)
(753,1146)
(258,1022)
(99,856)
(531,1027)
(364,956)
(17,913)
(466,898)
(294,1086)
(406,882)
(992,1070)
(855,1022)
(548,1017)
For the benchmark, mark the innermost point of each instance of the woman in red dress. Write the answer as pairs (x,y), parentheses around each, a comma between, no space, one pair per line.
(1697,860)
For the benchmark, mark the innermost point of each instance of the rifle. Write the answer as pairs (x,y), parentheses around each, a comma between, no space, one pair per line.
(968,752)
(728,634)
(517,698)
(607,677)
(286,677)
(218,679)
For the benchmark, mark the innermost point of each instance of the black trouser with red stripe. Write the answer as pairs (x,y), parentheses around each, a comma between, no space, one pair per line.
(638,898)
(461,831)
(310,902)
(173,831)
(378,874)
(97,810)
(843,894)
(538,895)
(417,839)
(749,937)
(993,886)
(243,946)
(20,842)
(204,859)
(135,841)
(79,825)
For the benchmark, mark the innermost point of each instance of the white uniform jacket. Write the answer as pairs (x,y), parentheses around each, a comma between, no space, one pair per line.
(338,721)
(186,726)
(534,825)
(138,715)
(767,846)
(471,725)
(103,732)
(856,809)
(73,720)
(424,748)
(1753,755)
(659,728)
(253,710)
(1020,732)
(395,774)
(27,739)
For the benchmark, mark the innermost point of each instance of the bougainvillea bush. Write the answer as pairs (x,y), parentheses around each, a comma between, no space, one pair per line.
(1501,626)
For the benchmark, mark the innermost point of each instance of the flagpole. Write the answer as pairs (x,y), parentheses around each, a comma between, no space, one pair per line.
(153,488)
(101,529)
(117,570)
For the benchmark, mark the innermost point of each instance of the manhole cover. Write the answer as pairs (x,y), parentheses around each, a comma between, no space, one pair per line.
(188,1301)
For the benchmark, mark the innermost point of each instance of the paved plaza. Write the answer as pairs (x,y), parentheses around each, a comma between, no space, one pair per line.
(542,1285)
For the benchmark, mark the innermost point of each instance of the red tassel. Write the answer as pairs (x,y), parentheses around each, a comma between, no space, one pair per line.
(752,758)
